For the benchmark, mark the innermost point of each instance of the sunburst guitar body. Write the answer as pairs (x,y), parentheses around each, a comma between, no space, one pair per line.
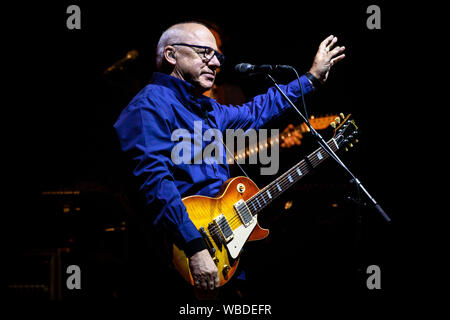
(213,216)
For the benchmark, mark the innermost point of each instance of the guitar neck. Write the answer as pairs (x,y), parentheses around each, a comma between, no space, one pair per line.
(272,191)
(318,123)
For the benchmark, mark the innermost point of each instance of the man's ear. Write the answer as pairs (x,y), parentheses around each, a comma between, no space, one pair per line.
(169,55)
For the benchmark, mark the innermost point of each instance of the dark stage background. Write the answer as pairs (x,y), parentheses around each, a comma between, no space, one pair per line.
(66,190)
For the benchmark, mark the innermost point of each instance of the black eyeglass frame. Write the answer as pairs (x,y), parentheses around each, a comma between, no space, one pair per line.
(219,56)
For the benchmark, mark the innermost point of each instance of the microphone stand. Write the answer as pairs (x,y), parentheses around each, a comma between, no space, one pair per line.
(325,147)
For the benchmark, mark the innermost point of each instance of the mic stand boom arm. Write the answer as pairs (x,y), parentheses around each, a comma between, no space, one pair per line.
(333,155)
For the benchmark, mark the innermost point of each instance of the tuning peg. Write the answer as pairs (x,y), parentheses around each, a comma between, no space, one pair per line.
(356,141)
(345,149)
(342,115)
(350,145)
(337,119)
(333,125)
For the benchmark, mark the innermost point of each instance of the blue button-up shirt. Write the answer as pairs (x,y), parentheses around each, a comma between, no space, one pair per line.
(145,129)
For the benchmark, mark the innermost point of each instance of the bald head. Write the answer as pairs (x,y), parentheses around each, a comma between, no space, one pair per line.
(187,32)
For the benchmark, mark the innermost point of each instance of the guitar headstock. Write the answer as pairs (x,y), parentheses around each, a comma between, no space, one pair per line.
(321,122)
(345,131)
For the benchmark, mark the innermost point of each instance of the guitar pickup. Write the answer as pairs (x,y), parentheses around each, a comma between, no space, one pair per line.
(243,212)
(223,227)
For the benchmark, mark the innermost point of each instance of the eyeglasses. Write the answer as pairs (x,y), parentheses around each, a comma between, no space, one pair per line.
(208,52)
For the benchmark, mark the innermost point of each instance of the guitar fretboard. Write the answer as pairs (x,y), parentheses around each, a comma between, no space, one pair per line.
(285,181)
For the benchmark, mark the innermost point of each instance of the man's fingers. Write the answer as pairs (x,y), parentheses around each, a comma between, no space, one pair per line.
(328,43)
(324,44)
(204,284)
(337,59)
(198,282)
(327,40)
(201,283)
(216,280)
(337,51)
(210,283)
(332,43)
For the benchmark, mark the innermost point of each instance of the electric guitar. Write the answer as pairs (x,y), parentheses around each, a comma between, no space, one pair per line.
(229,220)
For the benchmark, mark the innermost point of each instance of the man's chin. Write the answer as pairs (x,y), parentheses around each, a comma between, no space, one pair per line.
(204,84)
(207,84)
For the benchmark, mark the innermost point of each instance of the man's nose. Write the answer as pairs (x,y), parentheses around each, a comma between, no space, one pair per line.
(214,62)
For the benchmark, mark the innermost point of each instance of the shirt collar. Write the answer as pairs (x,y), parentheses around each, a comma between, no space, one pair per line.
(183,89)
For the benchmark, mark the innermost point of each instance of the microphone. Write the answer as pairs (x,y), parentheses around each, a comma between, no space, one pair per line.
(247,67)
(118,65)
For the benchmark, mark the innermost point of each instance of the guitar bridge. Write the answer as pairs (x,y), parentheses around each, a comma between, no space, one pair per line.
(209,245)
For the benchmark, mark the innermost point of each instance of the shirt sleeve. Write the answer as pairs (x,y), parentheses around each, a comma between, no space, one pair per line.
(262,108)
(144,133)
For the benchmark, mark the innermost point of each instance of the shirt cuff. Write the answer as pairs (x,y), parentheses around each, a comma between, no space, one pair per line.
(192,238)
(307,85)
(194,246)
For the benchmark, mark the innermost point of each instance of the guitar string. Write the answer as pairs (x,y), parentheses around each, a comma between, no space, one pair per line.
(283,181)
(234,222)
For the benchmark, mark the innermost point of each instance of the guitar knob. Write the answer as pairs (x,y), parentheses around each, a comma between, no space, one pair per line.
(350,145)
(333,125)
(356,140)
(241,188)
(337,119)
(342,115)
(225,270)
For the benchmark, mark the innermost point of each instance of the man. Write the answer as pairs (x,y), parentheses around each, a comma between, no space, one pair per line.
(187,59)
